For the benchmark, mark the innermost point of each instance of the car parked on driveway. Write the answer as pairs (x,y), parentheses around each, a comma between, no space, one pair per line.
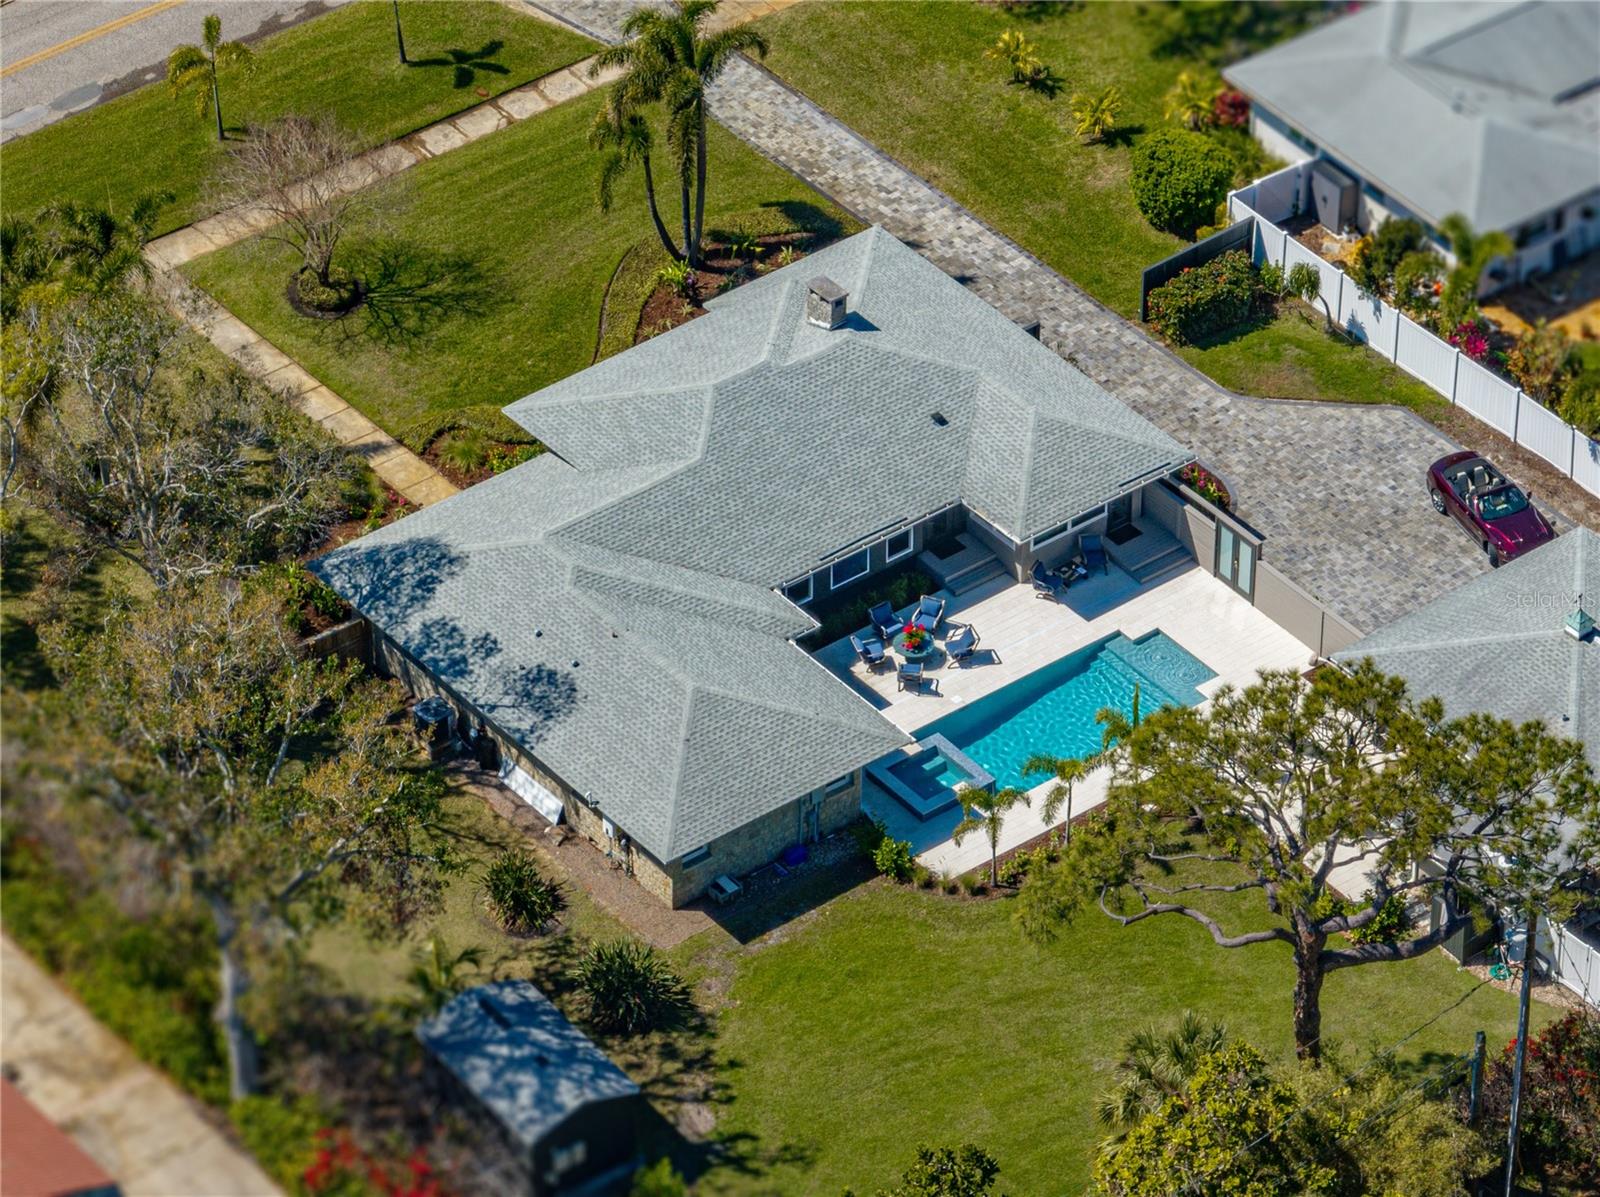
(1492,509)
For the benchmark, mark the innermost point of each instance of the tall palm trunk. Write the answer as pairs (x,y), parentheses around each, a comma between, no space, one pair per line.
(688,240)
(216,98)
(655,213)
(699,179)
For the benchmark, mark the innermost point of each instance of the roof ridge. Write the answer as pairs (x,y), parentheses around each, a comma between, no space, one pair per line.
(1465,641)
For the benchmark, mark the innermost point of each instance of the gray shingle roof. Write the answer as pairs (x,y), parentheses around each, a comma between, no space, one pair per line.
(1490,110)
(612,608)
(1496,644)
(515,1052)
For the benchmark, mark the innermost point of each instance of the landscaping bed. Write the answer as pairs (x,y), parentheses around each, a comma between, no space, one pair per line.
(723,266)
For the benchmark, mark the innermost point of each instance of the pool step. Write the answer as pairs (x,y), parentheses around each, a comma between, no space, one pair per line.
(975,575)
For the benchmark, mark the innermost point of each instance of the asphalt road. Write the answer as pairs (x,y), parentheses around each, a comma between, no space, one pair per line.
(61,56)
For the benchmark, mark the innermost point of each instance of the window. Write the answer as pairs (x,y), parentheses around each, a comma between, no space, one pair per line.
(898,545)
(572,1155)
(1071,525)
(848,569)
(799,593)
(839,784)
(698,857)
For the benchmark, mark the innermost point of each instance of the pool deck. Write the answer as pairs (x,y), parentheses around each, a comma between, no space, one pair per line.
(1021,632)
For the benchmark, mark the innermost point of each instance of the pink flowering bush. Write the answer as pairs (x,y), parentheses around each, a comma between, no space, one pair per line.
(1472,339)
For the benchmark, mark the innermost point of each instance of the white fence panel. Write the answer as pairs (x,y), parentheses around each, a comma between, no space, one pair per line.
(1586,464)
(1332,277)
(1269,242)
(1489,398)
(1277,196)
(1577,965)
(1367,318)
(1546,433)
(1425,355)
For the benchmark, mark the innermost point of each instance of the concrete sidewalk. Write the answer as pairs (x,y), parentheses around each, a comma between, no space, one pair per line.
(152,1138)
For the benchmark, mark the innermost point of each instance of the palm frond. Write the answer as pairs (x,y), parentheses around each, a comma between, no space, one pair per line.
(714,51)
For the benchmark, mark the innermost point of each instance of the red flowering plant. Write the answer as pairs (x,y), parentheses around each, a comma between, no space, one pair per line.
(1472,338)
(340,1168)
(913,637)
(1560,1123)
(1204,483)
(1230,109)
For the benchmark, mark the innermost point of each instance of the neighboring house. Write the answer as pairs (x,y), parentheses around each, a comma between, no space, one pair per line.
(1489,110)
(38,1160)
(567,1116)
(1519,644)
(620,614)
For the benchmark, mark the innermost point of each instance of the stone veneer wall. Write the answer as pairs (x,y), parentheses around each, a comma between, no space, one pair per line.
(740,851)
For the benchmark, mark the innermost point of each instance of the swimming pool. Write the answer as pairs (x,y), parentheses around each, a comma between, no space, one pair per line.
(1052,710)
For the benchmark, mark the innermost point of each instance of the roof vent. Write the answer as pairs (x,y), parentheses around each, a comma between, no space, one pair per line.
(1580,624)
(940,419)
(825,302)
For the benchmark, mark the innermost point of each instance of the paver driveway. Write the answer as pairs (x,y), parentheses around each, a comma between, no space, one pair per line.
(1336,489)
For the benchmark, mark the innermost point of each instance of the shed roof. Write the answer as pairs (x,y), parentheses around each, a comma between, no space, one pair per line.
(1487,109)
(517,1054)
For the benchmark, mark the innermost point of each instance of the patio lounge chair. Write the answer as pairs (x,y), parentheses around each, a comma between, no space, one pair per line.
(929,612)
(870,651)
(1045,583)
(962,644)
(1093,552)
(911,677)
(884,620)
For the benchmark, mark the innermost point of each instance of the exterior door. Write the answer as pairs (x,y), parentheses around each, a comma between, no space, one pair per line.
(1236,560)
(1119,513)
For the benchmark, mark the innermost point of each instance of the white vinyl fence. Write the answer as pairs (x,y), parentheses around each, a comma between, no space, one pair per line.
(1576,963)
(1389,332)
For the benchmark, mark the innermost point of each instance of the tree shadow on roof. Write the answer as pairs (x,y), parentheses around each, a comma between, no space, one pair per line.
(387,581)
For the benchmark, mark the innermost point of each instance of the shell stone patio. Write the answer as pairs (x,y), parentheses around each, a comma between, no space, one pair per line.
(1021,632)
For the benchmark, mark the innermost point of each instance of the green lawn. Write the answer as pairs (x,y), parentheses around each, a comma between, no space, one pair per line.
(912,79)
(344,62)
(491,267)
(895,1016)
(1293,357)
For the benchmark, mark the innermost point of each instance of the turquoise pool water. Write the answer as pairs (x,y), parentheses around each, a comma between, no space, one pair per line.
(1052,710)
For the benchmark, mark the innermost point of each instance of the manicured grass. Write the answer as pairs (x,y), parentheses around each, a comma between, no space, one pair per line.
(497,261)
(912,79)
(1292,356)
(344,62)
(894,1016)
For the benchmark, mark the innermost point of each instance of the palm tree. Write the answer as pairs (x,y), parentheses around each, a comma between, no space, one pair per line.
(1154,1067)
(1021,55)
(101,249)
(1304,282)
(1473,253)
(629,140)
(194,68)
(1191,99)
(1095,116)
(437,976)
(984,811)
(667,60)
(1067,771)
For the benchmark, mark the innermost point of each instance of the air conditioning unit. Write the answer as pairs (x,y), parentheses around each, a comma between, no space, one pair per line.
(1333,197)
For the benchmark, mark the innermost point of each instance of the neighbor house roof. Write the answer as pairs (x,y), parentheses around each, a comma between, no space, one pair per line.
(1497,644)
(1490,110)
(610,605)
(518,1055)
(37,1159)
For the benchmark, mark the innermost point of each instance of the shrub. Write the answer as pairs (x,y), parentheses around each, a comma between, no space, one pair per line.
(280,1133)
(303,591)
(949,884)
(1095,116)
(521,897)
(1392,924)
(677,275)
(922,877)
(893,858)
(1560,1101)
(1269,278)
(1418,279)
(1017,52)
(630,989)
(660,1179)
(1230,109)
(1178,178)
(466,450)
(1204,483)
(1374,268)
(1205,299)
(1580,402)
(868,834)
(972,884)
(1541,360)
(1472,338)
(505,457)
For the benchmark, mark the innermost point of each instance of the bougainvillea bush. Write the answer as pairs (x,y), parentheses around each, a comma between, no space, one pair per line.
(1472,338)
(1205,299)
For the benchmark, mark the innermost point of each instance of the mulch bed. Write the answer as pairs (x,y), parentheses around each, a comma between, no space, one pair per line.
(667,309)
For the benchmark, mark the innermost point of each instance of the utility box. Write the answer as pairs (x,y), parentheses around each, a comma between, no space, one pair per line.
(1333,197)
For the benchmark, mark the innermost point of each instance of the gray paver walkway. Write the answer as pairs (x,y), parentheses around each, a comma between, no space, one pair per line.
(151,1138)
(1336,489)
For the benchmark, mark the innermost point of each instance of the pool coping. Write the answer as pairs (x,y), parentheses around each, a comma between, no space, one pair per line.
(881,771)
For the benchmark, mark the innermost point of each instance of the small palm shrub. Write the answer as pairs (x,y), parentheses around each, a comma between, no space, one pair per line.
(1179,178)
(1017,52)
(1095,116)
(466,450)
(893,858)
(521,897)
(1192,101)
(678,275)
(745,245)
(630,989)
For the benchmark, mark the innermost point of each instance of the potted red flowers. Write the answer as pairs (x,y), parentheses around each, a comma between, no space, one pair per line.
(914,637)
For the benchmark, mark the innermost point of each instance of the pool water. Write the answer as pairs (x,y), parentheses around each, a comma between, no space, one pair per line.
(928,776)
(1052,710)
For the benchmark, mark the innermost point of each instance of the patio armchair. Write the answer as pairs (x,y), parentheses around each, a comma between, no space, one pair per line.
(910,676)
(884,621)
(1093,552)
(929,612)
(870,651)
(962,644)
(1045,583)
